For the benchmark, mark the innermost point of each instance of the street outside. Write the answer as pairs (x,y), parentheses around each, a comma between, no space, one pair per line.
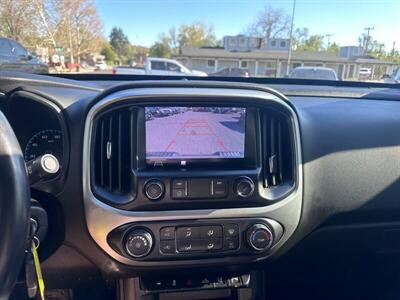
(196,134)
(108,71)
(77,37)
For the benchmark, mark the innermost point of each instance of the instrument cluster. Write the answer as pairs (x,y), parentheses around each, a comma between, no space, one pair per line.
(39,127)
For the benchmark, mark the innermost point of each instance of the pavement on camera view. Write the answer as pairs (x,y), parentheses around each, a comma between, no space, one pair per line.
(197,134)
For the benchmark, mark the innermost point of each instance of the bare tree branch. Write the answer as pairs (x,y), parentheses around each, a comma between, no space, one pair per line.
(270,23)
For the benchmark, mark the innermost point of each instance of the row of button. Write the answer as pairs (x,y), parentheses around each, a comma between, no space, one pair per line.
(199,245)
(228,243)
(195,232)
(199,238)
(199,188)
(188,233)
(201,282)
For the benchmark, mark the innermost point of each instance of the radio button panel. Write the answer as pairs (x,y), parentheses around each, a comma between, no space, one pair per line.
(199,188)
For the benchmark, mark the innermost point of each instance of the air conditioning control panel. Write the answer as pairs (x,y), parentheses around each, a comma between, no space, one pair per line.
(195,239)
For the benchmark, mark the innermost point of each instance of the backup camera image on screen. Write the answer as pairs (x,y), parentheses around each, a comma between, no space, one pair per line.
(186,133)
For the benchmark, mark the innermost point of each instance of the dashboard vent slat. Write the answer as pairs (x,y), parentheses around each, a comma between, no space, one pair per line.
(280,153)
(102,166)
(109,146)
(272,157)
(120,145)
(277,150)
(112,153)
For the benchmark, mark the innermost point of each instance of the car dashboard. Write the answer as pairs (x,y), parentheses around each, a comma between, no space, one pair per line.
(235,177)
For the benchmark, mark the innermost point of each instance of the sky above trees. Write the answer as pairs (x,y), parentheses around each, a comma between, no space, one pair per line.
(143,20)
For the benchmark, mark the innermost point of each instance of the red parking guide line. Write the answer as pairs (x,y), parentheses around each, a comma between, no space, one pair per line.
(173,140)
(195,126)
(196,121)
(189,134)
(218,140)
(221,144)
(170,144)
(193,123)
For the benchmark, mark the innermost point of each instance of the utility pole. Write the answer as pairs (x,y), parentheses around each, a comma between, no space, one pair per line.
(329,38)
(393,49)
(381,46)
(367,38)
(291,40)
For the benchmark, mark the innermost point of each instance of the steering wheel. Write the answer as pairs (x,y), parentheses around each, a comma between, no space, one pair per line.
(14,208)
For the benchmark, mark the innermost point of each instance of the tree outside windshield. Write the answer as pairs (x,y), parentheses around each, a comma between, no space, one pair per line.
(328,40)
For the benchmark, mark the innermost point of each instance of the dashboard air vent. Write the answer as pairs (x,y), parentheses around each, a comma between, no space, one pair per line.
(277,150)
(112,153)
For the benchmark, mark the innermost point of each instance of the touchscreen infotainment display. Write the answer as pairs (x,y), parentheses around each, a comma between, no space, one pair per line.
(191,133)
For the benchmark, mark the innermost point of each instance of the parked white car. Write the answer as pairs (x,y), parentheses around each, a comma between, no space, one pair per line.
(101,65)
(158,66)
(314,73)
(365,73)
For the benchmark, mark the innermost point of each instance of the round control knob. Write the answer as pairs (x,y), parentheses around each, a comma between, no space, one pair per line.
(154,189)
(259,237)
(42,167)
(244,187)
(138,243)
(50,163)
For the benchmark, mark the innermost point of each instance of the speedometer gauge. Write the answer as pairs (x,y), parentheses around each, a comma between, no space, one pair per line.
(45,142)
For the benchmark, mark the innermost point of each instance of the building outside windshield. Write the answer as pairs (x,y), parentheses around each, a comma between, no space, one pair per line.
(333,40)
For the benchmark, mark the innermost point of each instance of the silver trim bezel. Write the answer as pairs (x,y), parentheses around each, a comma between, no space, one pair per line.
(159,184)
(102,218)
(252,186)
(253,232)
(147,235)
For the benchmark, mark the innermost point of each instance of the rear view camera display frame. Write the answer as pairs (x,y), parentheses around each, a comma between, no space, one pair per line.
(182,134)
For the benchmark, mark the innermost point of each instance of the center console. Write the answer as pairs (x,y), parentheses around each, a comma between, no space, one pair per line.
(177,176)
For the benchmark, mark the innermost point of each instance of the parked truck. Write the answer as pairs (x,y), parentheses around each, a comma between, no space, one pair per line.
(157,66)
(15,57)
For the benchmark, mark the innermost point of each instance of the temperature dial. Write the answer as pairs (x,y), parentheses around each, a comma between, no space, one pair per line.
(138,243)
(259,237)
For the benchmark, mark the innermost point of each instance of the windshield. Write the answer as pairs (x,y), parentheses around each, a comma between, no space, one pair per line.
(354,40)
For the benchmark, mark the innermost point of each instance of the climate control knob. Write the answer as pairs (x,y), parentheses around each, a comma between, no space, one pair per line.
(244,187)
(138,243)
(259,237)
(154,189)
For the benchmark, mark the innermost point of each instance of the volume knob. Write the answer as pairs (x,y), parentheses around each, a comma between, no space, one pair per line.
(244,187)
(154,189)
(259,237)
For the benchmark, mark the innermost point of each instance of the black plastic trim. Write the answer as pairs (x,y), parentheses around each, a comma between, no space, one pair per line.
(257,80)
